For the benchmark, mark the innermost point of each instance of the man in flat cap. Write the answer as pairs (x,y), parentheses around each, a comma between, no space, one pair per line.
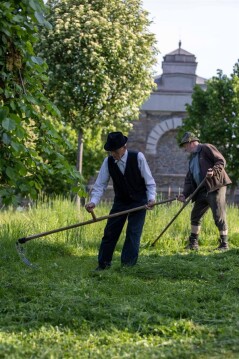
(133,186)
(205,162)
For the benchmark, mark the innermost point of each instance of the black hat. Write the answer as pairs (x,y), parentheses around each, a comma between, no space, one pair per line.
(188,137)
(115,140)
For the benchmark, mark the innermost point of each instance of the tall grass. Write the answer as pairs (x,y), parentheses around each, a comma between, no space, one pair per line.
(172,304)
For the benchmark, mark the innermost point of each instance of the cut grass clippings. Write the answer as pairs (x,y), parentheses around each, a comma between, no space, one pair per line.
(172,304)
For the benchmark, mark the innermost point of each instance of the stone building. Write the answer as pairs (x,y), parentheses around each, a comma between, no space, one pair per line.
(155,132)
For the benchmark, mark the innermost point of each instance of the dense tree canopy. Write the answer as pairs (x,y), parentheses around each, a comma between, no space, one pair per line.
(100,55)
(214,116)
(30,146)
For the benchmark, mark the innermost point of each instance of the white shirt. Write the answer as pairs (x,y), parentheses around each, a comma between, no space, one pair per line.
(103,178)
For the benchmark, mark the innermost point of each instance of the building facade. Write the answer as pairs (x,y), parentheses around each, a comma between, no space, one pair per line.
(155,132)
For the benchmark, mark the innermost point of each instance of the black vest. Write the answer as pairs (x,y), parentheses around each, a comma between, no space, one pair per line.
(129,186)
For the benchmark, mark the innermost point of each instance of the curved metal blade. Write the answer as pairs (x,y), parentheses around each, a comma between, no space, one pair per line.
(21,252)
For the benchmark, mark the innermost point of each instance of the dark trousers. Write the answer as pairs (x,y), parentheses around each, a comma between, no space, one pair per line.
(113,230)
(215,200)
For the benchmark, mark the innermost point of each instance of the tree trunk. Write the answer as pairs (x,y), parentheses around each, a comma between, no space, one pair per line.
(79,201)
(79,152)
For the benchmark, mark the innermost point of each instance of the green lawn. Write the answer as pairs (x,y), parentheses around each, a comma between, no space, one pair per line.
(172,304)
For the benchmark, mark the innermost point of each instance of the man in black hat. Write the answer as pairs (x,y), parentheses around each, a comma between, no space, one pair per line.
(133,186)
(205,162)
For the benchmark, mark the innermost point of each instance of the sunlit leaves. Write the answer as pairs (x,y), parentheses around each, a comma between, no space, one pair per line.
(29,143)
(214,115)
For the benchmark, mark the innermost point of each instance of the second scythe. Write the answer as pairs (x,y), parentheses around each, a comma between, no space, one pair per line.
(181,209)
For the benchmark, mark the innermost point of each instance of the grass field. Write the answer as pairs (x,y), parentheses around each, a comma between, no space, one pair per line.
(172,304)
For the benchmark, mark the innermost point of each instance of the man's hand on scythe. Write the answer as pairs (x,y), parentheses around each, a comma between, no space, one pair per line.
(90,206)
(150,204)
(181,198)
(209,173)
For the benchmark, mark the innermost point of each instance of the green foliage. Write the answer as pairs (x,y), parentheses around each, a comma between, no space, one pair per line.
(100,56)
(173,304)
(214,117)
(105,71)
(29,142)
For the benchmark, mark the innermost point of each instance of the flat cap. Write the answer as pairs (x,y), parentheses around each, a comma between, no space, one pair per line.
(188,137)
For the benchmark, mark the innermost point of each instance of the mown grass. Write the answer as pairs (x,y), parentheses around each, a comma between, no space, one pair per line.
(172,304)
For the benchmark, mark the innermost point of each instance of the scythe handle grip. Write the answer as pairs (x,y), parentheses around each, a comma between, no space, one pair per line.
(93,215)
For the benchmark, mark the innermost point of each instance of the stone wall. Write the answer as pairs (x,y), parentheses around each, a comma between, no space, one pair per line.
(168,162)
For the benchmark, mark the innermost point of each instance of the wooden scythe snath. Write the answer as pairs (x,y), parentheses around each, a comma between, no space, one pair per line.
(181,209)
(95,219)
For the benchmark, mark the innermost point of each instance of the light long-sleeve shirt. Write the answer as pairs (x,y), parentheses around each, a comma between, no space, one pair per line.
(103,178)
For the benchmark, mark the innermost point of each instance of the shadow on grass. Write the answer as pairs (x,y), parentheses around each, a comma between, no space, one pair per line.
(163,297)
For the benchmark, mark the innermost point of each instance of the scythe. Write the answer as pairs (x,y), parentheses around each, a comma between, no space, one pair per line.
(95,219)
(181,209)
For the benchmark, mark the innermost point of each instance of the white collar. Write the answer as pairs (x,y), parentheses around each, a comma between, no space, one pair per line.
(123,158)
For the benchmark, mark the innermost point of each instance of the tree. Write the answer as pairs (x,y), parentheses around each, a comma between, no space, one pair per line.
(100,55)
(29,142)
(214,116)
